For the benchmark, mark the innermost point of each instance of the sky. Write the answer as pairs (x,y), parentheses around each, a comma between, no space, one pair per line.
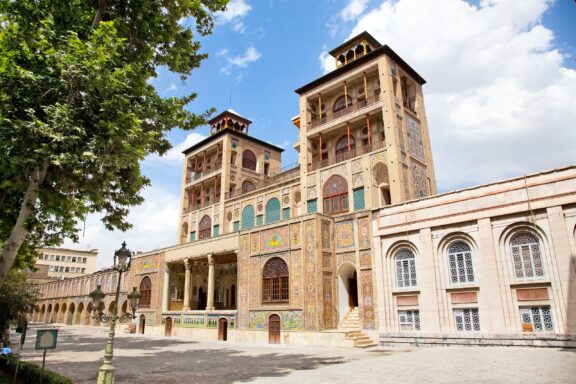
(500,95)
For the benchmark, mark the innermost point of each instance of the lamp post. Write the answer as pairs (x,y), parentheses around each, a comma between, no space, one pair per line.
(122,258)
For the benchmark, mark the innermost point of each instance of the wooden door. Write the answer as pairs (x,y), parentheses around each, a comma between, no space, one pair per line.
(223,329)
(142,323)
(168,327)
(274,329)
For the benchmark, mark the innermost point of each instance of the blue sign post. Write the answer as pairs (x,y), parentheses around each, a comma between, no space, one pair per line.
(45,339)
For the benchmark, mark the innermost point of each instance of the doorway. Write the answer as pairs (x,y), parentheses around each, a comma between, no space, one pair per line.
(201,299)
(222,329)
(168,327)
(142,324)
(347,289)
(274,329)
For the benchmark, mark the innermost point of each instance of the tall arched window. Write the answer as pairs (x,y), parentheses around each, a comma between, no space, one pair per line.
(275,281)
(335,194)
(342,146)
(405,268)
(526,256)
(247,186)
(248,217)
(341,103)
(460,260)
(205,228)
(249,160)
(145,292)
(272,210)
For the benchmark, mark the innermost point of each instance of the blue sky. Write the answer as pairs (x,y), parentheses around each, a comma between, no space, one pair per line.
(500,95)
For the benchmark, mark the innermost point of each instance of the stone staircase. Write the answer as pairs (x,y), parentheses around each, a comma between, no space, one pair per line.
(351,324)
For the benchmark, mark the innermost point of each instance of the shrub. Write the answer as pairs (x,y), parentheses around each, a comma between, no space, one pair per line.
(29,373)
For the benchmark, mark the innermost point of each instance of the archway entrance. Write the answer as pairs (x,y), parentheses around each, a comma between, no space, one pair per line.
(201,299)
(274,329)
(168,327)
(142,324)
(222,329)
(347,289)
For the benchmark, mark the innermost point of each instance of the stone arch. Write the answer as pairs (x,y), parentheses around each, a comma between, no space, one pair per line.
(335,195)
(62,315)
(79,318)
(70,314)
(42,313)
(347,288)
(249,160)
(124,308)
(248,186)
(205,227)
(110,310)
(49,310)
(88,314)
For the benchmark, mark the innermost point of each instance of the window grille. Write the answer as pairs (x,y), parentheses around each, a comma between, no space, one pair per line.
(538,318)
(145,292)
(193,236)
(285,213)
(405,268)
(335,195)
(272,210)
(249,160)
(275,287)
(205,228)
(467,319)
(359,201)
(248,217)
(260,220)
(409,320)
(312,206)
(526,256)
(460,259)
(248,186)
(236,226)
(216,230)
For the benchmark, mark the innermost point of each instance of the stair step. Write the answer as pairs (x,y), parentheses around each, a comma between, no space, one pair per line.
(366,345)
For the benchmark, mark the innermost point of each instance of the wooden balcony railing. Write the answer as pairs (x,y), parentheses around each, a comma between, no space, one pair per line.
(355,106)
(290,171)
(346,155)
(207,172)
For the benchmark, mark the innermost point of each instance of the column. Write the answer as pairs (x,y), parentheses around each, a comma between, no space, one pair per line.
(211,277)
(165,290)
(187,267)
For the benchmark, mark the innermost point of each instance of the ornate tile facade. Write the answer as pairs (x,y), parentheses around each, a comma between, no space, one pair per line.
(310,277)
(344,233)
(275,239)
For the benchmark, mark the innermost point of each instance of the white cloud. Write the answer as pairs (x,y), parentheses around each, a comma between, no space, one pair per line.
(353,9)
(235,11)
(499,100)
(174,156)
(248,57)
(171,88)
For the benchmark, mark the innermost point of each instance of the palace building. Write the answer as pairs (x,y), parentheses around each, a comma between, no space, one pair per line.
(351,246)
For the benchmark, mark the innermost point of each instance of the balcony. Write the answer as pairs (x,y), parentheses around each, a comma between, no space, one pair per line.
(204,173)
(287,173)
(347,155)
(355,106)
(196,207)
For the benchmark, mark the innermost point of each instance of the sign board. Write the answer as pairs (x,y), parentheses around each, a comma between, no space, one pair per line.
(46,338)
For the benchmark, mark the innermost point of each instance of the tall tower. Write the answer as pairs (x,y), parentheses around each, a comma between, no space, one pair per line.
(364,124)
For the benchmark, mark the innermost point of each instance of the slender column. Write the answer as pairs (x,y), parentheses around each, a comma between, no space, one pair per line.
(165,290)
(211,277)
(320,146)
(348,130)
(192,202)
(186,306)
(195,165)
(369,129)
(214,188)
(365,86)
(346,94)
(319,106)
(204,164)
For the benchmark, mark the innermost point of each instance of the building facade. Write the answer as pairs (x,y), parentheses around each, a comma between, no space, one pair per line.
(64,263)
(339,248)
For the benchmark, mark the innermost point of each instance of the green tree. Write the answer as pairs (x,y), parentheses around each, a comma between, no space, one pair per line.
(17,298)
(77,113)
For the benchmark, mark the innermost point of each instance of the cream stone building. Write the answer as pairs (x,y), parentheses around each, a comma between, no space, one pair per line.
(352,246)
(66,263)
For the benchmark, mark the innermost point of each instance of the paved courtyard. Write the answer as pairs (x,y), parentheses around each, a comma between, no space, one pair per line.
(161,360)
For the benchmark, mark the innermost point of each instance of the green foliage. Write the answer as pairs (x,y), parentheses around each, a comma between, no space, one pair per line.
(29,373)
(78,99)
(17,298)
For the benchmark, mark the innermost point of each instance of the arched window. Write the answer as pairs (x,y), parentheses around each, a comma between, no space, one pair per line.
(460,259)
(272,210)
(247,186)
(248,217)
(342,146)
(341,103)
(526,256)
(405,268)
(145,292)
(335,194)
(249,160)
(205,228)
(275,281)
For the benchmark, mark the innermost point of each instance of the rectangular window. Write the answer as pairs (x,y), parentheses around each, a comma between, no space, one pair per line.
(50,268)
(67,269)
(193,236)
(69,258)
(57,257)
(409,320)
(83,270)
(312,206)
(259,220)
(74,259)
(267,169)
(216,230)
(285,213)
(536,319)
(467,319)
(84,260)
(236,226)
(359,201)
(46,257)
(51,257)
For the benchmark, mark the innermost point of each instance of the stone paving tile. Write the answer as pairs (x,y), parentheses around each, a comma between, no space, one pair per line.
(162,360)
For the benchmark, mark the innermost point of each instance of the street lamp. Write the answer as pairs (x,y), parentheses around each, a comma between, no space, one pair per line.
(122,259)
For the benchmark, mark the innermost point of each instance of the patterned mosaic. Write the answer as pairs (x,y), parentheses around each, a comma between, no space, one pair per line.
(296,295)
(310,278)
(275,239)
(255,243)
(255,277)
(295,236)
(311,193)
(344,233)
(326,243)
(365,259)
(243,281)
(327,300)
(346,257)
(357,180)
(327,260)
(368,316)
(420,180)
(341,170)
(414,138)
(364,232)
(356,166)
(378,157)
(292,320)
(312,179)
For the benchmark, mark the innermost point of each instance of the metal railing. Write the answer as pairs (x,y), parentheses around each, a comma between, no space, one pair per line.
(286,173)
(355,106)
(200,174)
(346,155)
(201,205)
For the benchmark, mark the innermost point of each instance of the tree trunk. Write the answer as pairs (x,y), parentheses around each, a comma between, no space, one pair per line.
(102,5)
(19,231)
